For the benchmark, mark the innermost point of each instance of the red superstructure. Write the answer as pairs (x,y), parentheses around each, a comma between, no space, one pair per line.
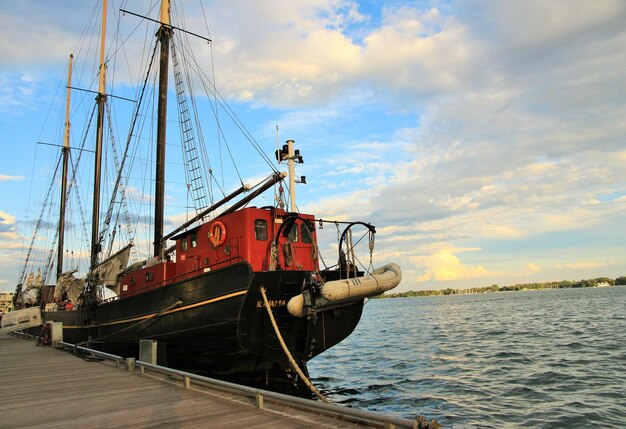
(245,235)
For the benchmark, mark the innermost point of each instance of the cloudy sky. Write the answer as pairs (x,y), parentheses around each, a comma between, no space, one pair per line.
(486,140)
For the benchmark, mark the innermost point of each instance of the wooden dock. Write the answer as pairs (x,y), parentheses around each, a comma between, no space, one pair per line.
(43,387)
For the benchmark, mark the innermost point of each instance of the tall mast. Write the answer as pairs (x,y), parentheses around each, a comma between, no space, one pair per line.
(65,151)
(100,99)
(164,35)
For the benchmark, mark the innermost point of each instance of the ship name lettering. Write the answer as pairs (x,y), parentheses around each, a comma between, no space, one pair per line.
(273,303)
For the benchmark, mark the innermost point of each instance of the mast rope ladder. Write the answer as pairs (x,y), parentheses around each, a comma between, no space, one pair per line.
(193,170)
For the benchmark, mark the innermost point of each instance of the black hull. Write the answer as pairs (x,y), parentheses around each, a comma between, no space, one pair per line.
(216,325)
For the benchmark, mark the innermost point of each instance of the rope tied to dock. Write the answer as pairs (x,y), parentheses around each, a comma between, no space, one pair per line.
(151,317)
(292,361)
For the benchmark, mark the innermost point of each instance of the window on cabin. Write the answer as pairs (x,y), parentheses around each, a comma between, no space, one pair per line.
(183,245)
(307,236)
(260,229)
(194,239)
(292,235)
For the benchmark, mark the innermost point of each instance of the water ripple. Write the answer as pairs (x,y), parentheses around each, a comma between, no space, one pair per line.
(527,359)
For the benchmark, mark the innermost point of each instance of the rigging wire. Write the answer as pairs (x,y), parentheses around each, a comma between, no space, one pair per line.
(60,85)
(39,223)
(222,137)
(119,168)
(201,141)
(135,118)
(138,127)
(218,135)
(233,116)
(224,104)
(121,45)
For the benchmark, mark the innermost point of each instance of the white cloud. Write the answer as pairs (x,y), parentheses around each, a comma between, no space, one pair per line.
(7,219)
(537,24)
(444,265)
(533,267)
(7,178)
(512,115)
(582,265)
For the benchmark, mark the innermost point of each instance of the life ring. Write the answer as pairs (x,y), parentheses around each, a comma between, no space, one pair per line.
(217,233)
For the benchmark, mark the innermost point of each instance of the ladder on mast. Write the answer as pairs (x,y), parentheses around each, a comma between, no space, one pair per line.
(195,179)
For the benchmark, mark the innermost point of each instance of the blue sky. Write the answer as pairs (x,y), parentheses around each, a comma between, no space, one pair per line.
(485,139)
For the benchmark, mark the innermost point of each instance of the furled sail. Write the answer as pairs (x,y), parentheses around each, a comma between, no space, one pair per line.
(30,294)
(110,268)
(69,286)
(30,280)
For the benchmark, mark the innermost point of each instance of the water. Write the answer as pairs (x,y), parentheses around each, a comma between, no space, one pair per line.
(536,359)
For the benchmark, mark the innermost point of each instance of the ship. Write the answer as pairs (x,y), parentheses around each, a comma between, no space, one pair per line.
(236,291)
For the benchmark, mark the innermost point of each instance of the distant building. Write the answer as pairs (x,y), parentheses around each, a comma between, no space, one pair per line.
(6,302)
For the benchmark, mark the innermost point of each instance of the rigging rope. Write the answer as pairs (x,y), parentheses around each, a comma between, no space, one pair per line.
(193,157)
(217,119)
(118,181)
(233,116)
(73,181)
(38,225)
(151,317)
(81,210)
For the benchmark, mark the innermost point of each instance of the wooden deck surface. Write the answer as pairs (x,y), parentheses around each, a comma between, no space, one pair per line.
(44,387)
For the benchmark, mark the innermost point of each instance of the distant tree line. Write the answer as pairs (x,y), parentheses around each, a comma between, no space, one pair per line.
(524,286)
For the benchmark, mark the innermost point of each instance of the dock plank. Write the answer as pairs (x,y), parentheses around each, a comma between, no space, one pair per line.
(47,388)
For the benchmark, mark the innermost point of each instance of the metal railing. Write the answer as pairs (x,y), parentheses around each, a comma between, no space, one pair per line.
(260,395)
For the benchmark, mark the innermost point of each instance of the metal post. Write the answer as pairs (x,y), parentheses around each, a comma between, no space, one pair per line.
(292,175)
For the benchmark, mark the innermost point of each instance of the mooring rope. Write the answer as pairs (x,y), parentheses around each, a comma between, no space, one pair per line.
(151,317)
(292,361)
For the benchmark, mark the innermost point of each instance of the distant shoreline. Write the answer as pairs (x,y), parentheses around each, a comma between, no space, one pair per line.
(565,284)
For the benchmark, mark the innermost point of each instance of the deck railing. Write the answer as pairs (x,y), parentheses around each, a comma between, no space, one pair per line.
(259,395)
